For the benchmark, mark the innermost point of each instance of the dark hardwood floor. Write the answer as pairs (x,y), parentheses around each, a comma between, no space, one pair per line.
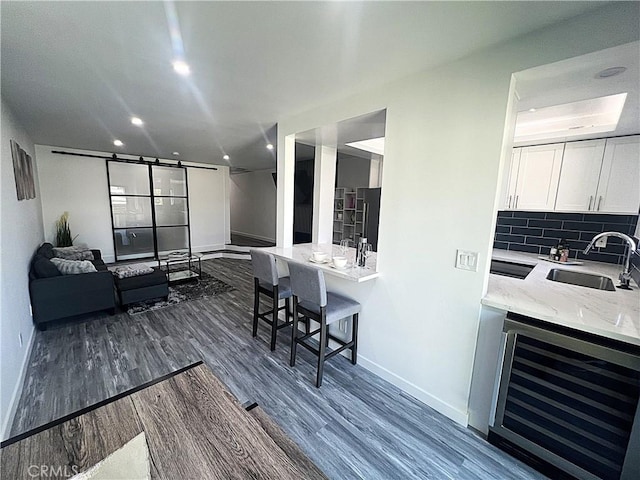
(356,426)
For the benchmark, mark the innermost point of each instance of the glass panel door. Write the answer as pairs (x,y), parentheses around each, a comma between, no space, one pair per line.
(131,213)
(171,206)
(149,210)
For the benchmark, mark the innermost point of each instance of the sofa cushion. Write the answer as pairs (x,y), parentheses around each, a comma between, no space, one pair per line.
(72,267)
(157,277)
(126,271)
(73,253)
(46,250)
(44,268)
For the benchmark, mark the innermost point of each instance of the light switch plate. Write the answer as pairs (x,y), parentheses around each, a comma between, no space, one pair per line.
(466,260)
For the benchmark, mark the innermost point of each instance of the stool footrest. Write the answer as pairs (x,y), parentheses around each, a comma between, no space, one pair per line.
(315,332)
(314,350)
(268,320)
(338,350)
(308,335)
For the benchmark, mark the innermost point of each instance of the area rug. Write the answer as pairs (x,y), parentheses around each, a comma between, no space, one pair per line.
(130,462)
(206,286)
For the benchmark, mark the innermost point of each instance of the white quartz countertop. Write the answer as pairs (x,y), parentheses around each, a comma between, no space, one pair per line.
(613,315)
(302,253)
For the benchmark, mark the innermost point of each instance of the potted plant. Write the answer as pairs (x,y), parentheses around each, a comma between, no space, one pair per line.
(63,232)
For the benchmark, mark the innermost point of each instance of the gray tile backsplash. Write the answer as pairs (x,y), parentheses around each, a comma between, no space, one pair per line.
(537,232)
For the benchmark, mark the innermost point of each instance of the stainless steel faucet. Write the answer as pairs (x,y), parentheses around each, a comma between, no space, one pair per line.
(625,276)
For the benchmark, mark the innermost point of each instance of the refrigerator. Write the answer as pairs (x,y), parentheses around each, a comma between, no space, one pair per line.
(371,214)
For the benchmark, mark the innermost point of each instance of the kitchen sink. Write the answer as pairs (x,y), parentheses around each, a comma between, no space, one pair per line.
(510,269)
(582,279)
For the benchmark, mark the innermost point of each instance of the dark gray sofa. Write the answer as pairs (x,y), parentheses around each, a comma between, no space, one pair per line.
(55,296)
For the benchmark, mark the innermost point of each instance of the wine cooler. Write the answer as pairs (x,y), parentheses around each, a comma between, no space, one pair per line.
(567,402)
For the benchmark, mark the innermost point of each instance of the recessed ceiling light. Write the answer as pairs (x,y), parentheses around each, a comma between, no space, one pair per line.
(176,154)
(181,67)
(269,146)
(373,145)
(226,157)
(137,121)
(532,109)
(118,143)
(611,72)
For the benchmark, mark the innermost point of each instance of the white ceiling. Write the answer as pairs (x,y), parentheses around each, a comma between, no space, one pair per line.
(575,80)
(73,72)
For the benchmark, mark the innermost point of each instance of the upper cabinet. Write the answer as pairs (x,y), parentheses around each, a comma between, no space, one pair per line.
(583,176)
(619,186)
(579,176)
(536,180)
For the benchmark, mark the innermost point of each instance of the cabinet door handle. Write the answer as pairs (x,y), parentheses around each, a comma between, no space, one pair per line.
(590,201)
(599,202)
(516,205)
(509,203)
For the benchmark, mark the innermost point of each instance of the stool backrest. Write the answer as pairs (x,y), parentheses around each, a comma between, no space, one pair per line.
(264,267)
(307,283)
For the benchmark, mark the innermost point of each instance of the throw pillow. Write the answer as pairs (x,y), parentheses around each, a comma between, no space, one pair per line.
(46,250)
(44,268)
(72,267)
(73,253)
(126,271)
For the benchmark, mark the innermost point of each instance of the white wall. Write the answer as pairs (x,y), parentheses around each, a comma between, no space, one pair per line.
(209,208)
(78,185)
(20,235)
(253,204)
(443,154)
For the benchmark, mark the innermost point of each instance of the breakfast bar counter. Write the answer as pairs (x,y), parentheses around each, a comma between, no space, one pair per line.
(303,253)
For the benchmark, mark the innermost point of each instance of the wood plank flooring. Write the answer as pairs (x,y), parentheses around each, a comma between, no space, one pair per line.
(73,446)
(194,428)
(356,426)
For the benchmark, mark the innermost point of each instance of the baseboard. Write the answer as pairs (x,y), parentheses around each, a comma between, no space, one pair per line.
(238,248)
(17,391)
(257,237)
(239,255)
(444,408)
(208,248)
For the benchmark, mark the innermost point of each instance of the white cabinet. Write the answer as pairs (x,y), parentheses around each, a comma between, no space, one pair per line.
(619,185)
(538,175)
(510,199)
(579,176)
(583,176)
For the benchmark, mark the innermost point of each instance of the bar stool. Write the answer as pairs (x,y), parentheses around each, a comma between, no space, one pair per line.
(267,282)
(312,301)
